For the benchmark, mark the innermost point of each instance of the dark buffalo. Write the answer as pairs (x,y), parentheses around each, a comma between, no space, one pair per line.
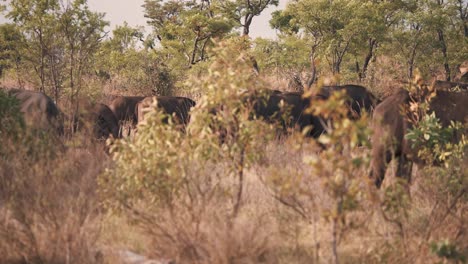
(96,118)
(39,111)
(359,97)
(359,100)
(125,109)
(176,106)
(288,109)
(106,123)
(449,86)
(99,120)
(294,114)
(267,106)
(390,124)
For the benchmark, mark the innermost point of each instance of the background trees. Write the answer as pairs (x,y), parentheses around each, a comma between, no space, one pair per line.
(58,41)
(63,48)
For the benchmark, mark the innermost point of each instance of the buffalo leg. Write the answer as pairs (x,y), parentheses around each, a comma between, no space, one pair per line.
(379,163)
(404,169)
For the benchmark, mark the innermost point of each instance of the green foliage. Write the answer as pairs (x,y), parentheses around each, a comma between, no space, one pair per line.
(10,116)
(446,250)
(133,68)
(243,11)
(396,203)
(350,35)
(340,165)
(10,55)
(434,142)
(185,29)
(282,21)
(58,42)
(164,175)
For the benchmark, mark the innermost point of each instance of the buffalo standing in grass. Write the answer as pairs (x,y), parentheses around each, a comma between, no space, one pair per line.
(39,111)
(288,109)
(101,121)
(106,123)
(96,118)
(176,106)
(125,109)
(294,113)
(390,124)
(359,100)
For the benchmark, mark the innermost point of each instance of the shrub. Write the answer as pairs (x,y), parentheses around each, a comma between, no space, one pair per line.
(334,186)
(187,190)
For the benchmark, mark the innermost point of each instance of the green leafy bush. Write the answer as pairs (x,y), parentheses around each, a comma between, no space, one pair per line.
(187,189)
(433,142)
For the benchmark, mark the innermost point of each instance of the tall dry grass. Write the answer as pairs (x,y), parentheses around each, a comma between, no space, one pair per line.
(49,206)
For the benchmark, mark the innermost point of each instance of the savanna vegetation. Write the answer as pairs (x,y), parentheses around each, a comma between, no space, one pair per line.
(229,187)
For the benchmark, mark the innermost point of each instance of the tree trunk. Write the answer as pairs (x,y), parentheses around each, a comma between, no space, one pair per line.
(313,67)
(247,22)
(372,45)
(444,53)
(194,51)
(463,16)
(42,67)
(411,60)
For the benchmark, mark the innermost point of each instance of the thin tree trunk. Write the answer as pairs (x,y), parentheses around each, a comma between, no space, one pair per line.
(313,68)
(444,52)
(240,174)
(43,54)
(194,51)
(411,60)
(372,45)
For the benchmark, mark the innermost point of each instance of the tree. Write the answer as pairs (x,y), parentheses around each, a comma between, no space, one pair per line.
(59,40)
(36,20)
(373,21)
(83,31)
(186,28)
(131,65)
(10,39)
(427,30)
(243,11)
(288,57)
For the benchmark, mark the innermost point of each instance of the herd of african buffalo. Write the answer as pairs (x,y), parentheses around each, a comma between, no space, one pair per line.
(389,122)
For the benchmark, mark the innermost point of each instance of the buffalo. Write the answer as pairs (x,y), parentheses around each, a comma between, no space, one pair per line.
(449,86)
(176,106)
(39,111)
(359,98)
(99,120)
(96,118)
(125,109)
(289,108)
(390,124)
(106,123)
